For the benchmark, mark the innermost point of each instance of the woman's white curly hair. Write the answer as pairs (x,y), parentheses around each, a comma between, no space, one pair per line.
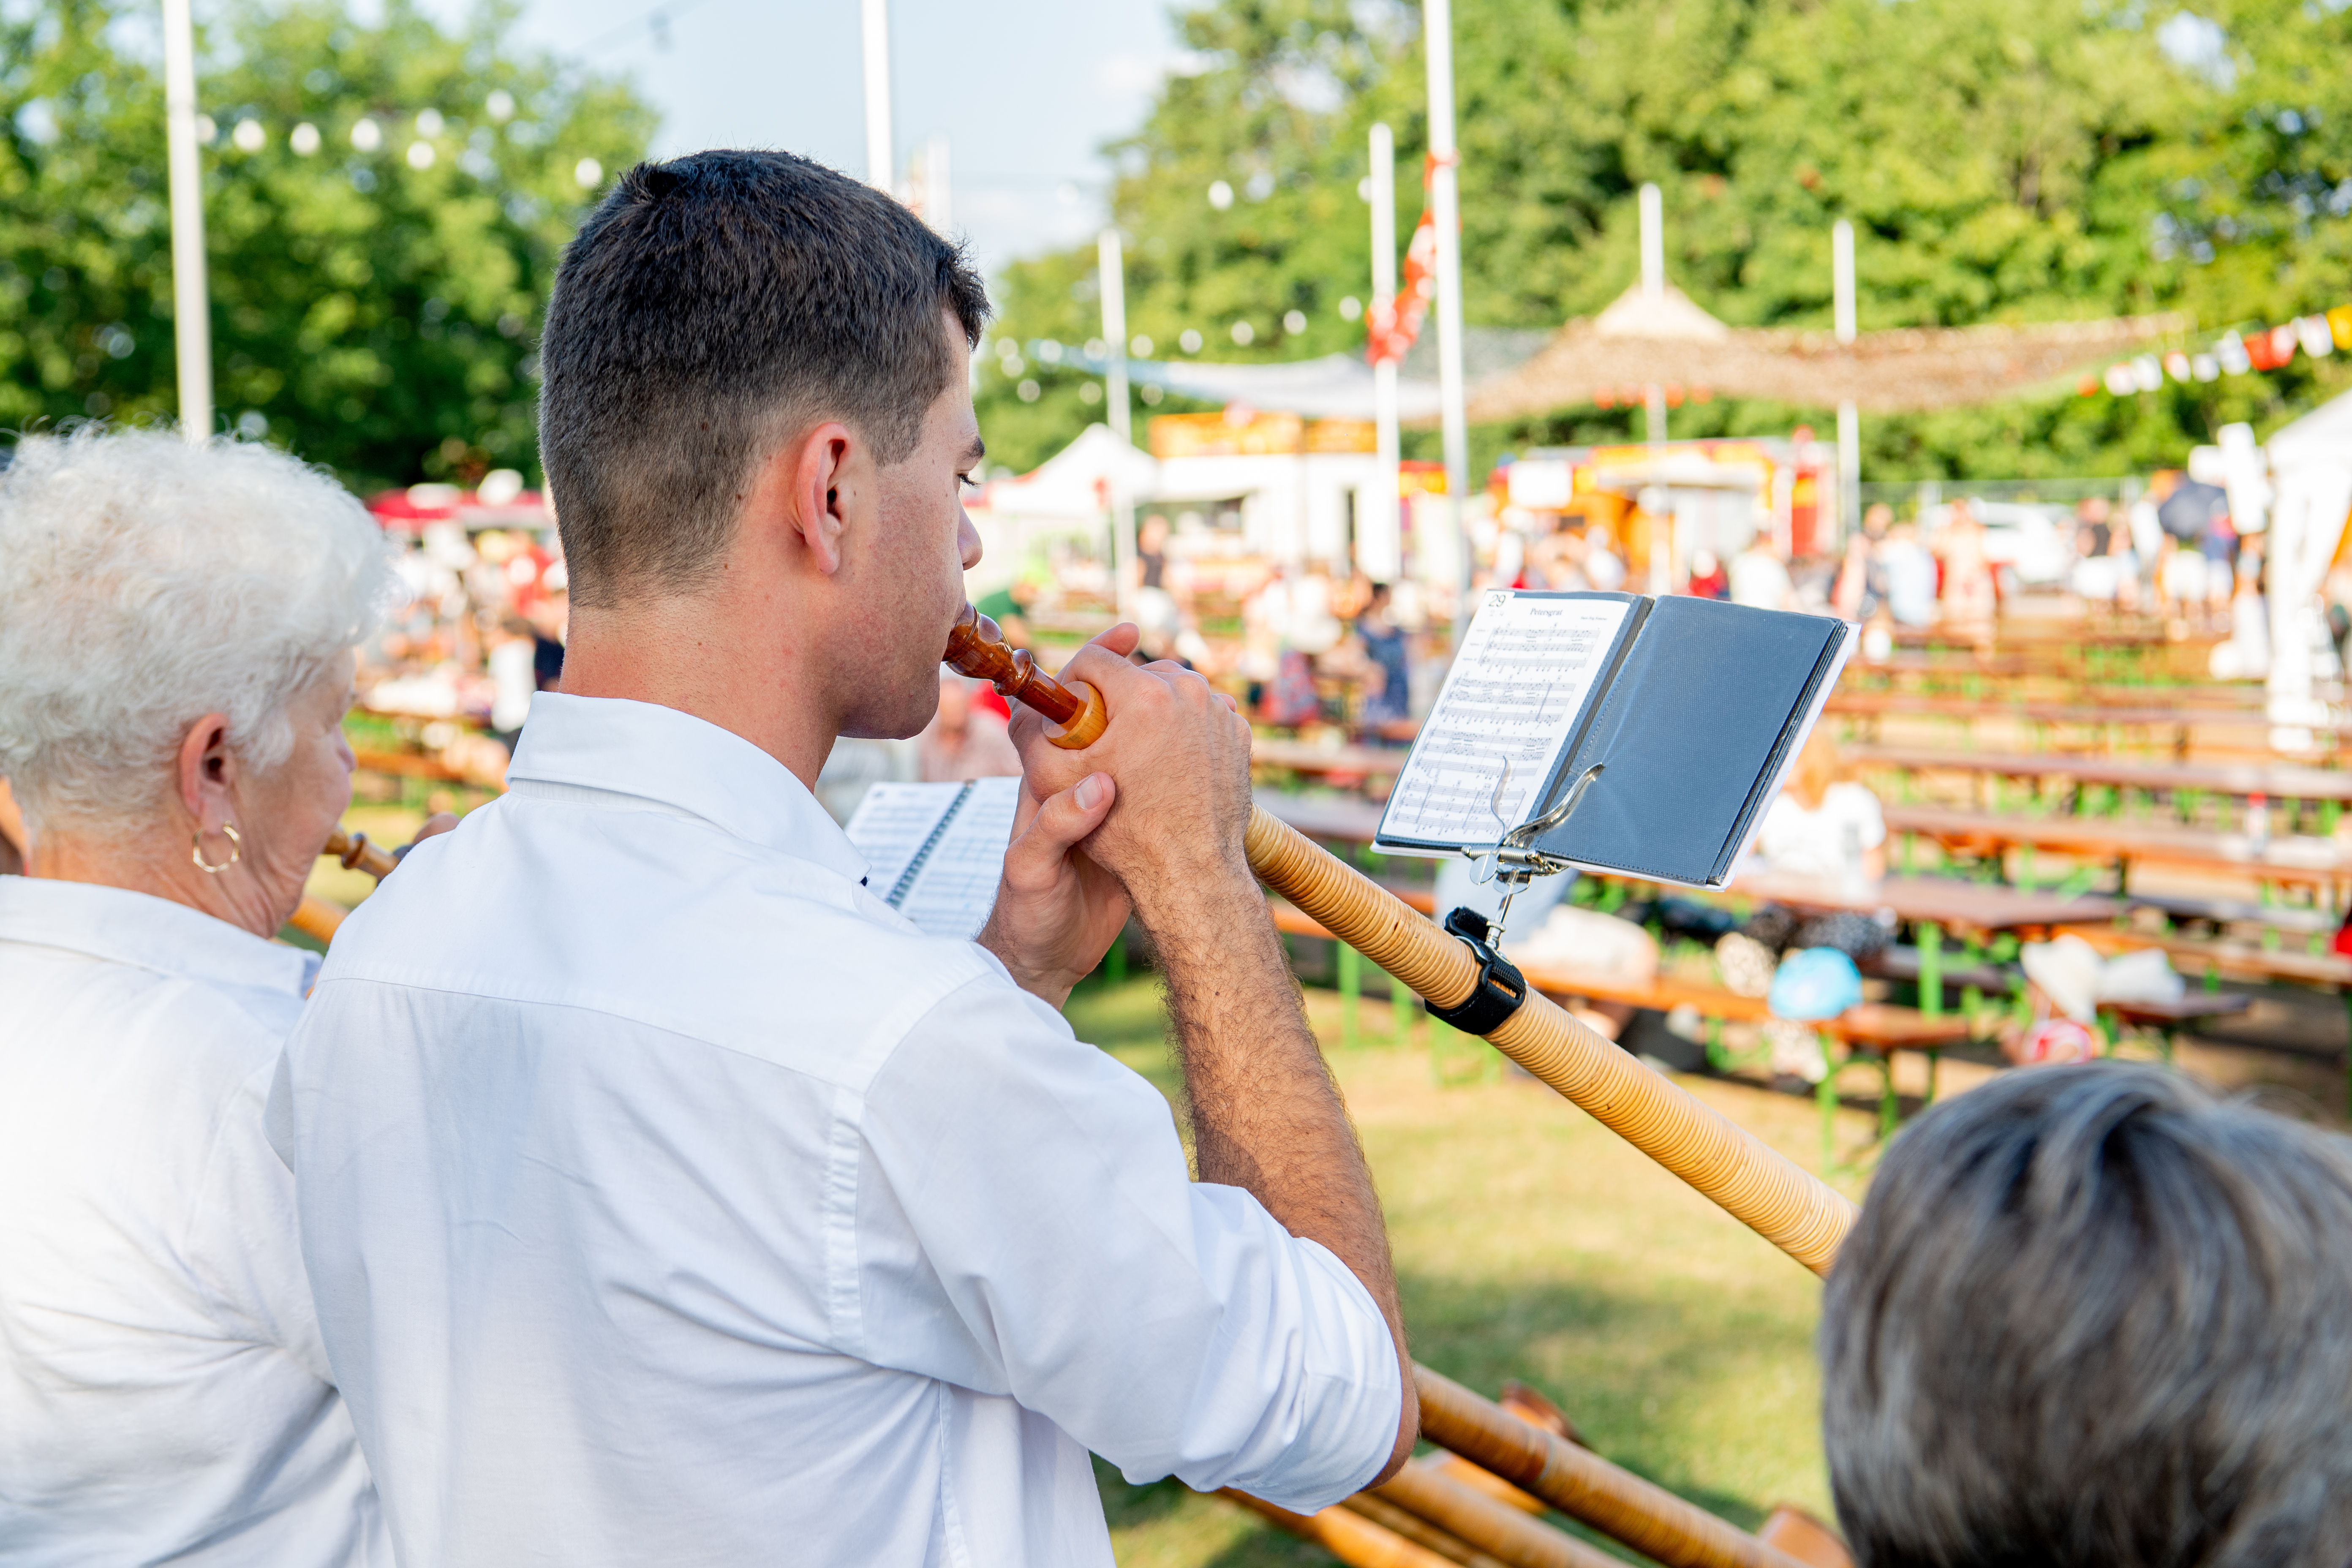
(144,583)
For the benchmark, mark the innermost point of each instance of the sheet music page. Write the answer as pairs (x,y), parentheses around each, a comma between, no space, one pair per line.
(1507,707)
(956,887)
(890,825)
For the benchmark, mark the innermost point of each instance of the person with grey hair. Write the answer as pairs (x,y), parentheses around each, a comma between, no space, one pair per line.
(2094,1317)
(176,635)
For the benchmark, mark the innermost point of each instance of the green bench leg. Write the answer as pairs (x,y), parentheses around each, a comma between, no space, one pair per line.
(1825,1096)
(1931,969)
(1890,1108)
(1935,1065)
(1351,986)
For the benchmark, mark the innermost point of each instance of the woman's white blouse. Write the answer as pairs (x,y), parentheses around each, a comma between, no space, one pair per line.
(163,1393)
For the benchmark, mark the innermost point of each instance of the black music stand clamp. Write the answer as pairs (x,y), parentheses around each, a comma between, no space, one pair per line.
(1515,861)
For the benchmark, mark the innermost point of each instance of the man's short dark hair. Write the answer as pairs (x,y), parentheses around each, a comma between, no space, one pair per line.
(2091,1316)
(710,308)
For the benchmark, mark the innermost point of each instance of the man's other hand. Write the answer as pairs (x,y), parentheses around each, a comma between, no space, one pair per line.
(1056,912)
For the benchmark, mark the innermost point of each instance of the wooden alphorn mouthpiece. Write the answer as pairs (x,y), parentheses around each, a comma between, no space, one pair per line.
(356,853)
(976,648)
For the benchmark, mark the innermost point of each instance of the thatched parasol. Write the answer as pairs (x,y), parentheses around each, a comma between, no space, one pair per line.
(1663,339)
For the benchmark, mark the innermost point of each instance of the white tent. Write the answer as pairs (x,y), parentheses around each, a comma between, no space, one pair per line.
(2311,484)
(1079,480)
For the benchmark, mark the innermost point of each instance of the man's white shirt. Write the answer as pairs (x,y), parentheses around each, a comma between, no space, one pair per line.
(669,1197)
(164,1392)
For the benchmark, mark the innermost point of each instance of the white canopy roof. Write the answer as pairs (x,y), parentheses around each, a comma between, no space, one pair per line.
(1077,481)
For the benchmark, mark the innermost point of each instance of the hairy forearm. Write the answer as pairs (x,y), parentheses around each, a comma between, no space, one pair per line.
(1265,1114)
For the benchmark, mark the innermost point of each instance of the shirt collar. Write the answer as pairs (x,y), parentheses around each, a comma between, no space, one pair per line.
(148,932)
(672,758)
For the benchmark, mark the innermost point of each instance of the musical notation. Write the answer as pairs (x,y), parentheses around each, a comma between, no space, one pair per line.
(936,851)
(1513,698)
(955,890)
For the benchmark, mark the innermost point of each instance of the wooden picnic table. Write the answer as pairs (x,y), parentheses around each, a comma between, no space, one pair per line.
(1972,909)
(2277,781)
(1348,818)
(1307,757)
(1876,704)
(2307,861)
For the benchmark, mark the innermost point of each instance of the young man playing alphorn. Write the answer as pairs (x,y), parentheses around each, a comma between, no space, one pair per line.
(669,1198)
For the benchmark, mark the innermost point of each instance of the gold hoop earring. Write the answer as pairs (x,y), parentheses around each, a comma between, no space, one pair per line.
(197,849)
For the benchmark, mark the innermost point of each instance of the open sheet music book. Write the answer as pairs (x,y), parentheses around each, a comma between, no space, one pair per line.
(936,850)
(1693,709)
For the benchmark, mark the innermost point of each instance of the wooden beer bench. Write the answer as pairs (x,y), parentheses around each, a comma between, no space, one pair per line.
(1875,1030)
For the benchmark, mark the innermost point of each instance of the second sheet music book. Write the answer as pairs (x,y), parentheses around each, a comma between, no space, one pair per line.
(1692,709)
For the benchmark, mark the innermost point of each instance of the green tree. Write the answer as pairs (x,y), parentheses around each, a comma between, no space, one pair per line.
(376,281)
(2000,160)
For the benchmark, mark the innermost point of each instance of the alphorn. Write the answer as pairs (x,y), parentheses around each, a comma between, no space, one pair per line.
(1755,1184)
(316,917)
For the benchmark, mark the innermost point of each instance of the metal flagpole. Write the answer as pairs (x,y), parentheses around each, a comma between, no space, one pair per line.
(1849,418)
(1111,267)
(876,15)
(192,331)
(1385,559)
(1437,44)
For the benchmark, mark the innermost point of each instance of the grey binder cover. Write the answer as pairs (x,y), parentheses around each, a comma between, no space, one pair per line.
(1705,714)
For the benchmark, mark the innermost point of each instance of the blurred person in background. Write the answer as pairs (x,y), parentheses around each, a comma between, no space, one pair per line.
(1707,578)
(1970,599)
(967,737)
(1759,578)
(1157,614)
(176,635)
(2093,1317)
(1861,587)
(1387,712)
(1910,573)
(1823,823)
(2181,580)
(2095,576)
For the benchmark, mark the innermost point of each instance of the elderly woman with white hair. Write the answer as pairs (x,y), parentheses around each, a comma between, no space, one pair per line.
(176,635)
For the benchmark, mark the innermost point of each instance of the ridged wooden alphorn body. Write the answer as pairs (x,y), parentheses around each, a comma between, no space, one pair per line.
(1755,1184)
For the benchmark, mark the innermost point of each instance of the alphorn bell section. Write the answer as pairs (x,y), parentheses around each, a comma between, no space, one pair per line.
(1753,1182)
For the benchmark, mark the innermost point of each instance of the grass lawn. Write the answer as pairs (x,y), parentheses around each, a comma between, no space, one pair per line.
(1531,1243)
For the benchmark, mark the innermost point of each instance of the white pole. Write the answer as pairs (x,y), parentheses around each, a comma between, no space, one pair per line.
(1379,550)
(1849,417)
(1653,287)
(1437,44)
(1654,242)
(190,310)
(1111,269)
(937,206)
(876,15)
(1656,499)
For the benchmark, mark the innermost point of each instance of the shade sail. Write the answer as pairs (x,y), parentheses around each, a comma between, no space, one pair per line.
(1666,340)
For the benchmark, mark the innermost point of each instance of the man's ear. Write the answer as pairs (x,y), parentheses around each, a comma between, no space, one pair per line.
(824,483)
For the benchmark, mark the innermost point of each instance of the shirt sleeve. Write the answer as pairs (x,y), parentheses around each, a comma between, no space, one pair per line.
(243,1242)
(1026,1226)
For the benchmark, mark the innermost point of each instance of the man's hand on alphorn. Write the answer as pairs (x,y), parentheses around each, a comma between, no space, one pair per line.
(1178,755)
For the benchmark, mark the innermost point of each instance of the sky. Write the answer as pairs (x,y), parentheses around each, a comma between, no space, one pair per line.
(1024,90)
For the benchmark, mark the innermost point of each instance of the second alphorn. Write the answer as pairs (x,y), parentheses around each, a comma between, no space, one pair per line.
(1753,1182)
